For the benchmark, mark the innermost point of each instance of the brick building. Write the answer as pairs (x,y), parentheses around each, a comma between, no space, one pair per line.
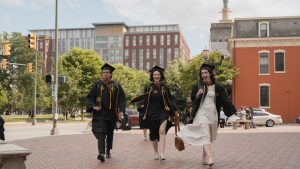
(139,47)
(266,51)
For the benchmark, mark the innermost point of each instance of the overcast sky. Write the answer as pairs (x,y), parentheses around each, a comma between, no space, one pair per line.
(193,16)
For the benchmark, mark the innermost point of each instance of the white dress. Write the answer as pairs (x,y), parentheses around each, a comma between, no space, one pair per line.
(203,130)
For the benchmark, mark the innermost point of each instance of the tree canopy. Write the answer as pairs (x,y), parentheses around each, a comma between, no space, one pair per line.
(82,68)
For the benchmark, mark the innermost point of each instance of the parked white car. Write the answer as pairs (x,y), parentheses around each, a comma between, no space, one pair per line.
(262,117)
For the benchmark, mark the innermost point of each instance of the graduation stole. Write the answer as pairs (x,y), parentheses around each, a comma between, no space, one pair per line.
(163,92)
(110,88)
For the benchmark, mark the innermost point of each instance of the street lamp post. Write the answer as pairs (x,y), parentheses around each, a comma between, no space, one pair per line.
(35,86)
(54,130)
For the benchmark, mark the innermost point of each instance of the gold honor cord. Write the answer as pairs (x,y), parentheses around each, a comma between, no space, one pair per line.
(165,103)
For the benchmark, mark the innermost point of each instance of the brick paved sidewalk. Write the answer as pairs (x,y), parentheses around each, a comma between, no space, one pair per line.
(231,151)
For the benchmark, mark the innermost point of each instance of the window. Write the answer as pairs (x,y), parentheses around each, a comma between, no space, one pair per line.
(279,62)
(176,53)
(263,29)
(154,39)
(127,41)
(169,58)
(161,39)
(141,57)
(176,40)
(154,53)
(264,95)
(168,39)
(264,63)
(161,57)
(148,40)
(133,58)
(134,41)
(147,53)
(126,54)
(140,40)
(148,66)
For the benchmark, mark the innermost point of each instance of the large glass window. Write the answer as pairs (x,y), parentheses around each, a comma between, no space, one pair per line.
(141,57)
(161,40)
(126,54)
(140,40)
(147,65)
(133,58)
(127,41)
(154,39)
(264,95)
(264,63)
(175,39)
(148,40)
(154,53)
(279,62)
(161,57)
(176,53)
(168,39)
(169,57)
(134,41)
(148,53)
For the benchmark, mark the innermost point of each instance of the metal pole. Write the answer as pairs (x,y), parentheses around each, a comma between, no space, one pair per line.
(35,86)
(54,130)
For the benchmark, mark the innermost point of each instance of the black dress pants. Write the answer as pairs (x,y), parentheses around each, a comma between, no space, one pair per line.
(103,130)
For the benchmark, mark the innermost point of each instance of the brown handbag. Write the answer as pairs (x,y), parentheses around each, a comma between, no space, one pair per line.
(179,144)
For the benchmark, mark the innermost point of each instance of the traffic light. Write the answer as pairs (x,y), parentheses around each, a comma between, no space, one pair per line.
(29,67)
(6,48)
(4,64)
(32,41)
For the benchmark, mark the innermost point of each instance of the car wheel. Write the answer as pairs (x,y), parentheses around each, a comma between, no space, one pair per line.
(270,123)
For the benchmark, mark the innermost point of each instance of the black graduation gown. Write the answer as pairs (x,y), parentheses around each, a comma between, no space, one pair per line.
(110,97)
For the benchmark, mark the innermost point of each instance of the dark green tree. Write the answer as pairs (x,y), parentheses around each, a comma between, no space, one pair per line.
(82,69)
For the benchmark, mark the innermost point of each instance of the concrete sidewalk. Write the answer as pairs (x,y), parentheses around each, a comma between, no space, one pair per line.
(238,149)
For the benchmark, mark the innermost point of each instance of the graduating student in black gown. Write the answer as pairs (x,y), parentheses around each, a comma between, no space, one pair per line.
(106,100)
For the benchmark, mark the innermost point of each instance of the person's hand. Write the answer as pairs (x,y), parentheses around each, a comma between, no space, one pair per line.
(200,92)
(120,116)
(176,114)
(97,108)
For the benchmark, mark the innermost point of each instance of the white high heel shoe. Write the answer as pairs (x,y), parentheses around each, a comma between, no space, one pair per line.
(162,157)
(210,160)
(156,156)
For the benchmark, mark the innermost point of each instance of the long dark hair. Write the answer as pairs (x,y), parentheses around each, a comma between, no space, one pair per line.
(162,76)
(210,71)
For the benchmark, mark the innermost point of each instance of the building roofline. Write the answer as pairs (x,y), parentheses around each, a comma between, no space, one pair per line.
(110,24)
(263,39)
(32,30)
(273,17)
(155,25)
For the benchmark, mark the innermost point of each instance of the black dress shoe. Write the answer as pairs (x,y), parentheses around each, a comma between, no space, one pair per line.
(108,155)
(101,157)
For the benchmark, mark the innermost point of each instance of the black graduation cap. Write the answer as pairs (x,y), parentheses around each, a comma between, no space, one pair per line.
(107,66)
(154,68)
(210,65)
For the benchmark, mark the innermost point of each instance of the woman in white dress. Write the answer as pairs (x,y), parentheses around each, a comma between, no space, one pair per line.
(208,97)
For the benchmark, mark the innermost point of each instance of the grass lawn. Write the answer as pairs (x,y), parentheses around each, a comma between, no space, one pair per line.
(43,118)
